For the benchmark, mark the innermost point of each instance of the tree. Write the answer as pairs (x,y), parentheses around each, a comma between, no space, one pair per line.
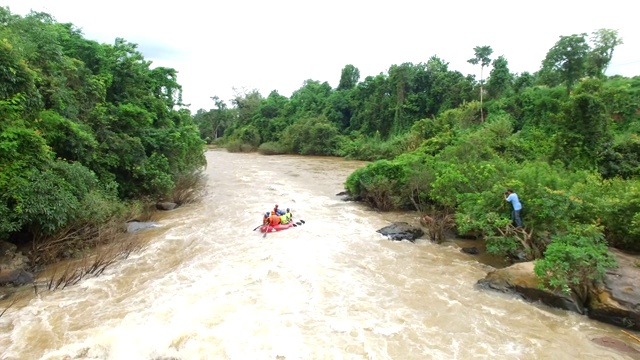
(500,79)
(482,54)
(220,118)
(582,134)
(349,78)
(604,42)
(523,81)
(565,61)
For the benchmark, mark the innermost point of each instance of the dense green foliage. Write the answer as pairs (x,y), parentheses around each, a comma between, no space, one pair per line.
(565,138)
(84,127)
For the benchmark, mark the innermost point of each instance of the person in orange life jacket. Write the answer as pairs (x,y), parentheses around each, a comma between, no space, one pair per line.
(274,219)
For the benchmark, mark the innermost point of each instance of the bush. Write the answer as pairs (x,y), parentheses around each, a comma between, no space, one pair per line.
(372,148)
(615,203)
(271,148)
(245,139)
(236,146)
(42,202)
(311,136)
(378,184)
(575,260)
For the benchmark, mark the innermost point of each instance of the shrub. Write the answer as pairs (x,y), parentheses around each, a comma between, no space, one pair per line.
(438,223)
(311,136)
(236,146)
(615,203)
(373,148)
(271,148)
(378,184)
(44,203)
(575,260)
(233,146)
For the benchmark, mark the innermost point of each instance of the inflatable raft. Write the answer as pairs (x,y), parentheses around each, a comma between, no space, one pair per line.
(280,227)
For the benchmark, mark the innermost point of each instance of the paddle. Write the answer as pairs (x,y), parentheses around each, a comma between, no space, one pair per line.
(257,227)
(266,231)
(298,223)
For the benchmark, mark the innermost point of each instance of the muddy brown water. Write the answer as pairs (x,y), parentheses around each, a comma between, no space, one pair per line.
(207,287)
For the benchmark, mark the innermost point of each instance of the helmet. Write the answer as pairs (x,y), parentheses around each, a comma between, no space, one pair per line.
(288,210)
(266,214)
(276,205)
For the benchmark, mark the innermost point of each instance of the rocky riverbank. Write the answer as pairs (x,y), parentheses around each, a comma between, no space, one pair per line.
(616,301)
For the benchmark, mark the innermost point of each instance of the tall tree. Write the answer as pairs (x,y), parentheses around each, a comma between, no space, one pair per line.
(481,57)
(500,79)
(220,117)
(565,62)
(349,78)
(603,41)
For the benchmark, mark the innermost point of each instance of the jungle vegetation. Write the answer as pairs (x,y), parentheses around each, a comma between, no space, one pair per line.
(87,132)
(564,138)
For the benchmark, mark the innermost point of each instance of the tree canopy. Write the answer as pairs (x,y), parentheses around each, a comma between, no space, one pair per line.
(84,126)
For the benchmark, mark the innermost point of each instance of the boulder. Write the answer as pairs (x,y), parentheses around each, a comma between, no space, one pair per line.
(470,250)
(166,205)
(401,231)
(10,258)
(7,248)
(520,279)
(16,277)
(617,299)
(346,196)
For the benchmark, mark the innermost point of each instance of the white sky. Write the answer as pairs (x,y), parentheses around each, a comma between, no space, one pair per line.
(269,45)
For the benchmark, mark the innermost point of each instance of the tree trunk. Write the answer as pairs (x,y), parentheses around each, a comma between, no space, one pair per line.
(481,91)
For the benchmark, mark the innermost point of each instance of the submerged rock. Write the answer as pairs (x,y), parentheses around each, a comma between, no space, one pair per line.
(165,205)
(135,226)
(615,344)
(470,250)
(16,277)
(401,231)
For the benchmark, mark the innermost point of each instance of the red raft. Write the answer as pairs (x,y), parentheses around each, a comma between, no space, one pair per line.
(279,227)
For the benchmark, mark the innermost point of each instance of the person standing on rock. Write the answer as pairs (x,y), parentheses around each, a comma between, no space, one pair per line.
(510,196)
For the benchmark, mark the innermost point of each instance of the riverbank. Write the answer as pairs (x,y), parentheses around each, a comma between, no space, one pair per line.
(615,300)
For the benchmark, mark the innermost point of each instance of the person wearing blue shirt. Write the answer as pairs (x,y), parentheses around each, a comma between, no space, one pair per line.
(512,197)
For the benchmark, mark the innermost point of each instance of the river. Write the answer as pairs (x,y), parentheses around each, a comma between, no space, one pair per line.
(208,287)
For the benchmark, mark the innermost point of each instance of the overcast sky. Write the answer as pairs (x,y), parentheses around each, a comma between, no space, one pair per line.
(277,44)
